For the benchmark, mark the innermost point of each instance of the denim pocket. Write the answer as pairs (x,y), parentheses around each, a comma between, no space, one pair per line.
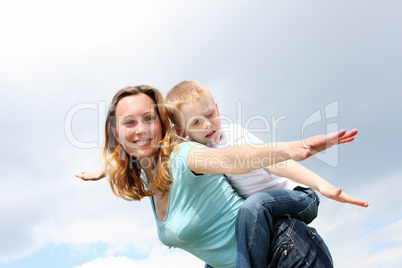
(294,244)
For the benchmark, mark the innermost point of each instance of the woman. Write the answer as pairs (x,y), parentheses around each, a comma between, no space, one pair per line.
(194,205)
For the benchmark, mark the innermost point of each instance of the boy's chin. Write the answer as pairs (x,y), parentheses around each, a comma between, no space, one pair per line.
(213,141)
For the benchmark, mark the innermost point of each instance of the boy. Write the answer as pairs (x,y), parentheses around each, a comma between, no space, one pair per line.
(195,115)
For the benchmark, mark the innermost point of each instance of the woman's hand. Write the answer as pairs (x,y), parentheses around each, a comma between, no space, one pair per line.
(91,176)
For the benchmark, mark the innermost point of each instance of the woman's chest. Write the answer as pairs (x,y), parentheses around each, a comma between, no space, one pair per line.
(161,205)
(183,226)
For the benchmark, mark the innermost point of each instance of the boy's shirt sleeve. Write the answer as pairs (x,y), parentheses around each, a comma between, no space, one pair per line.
(243,136)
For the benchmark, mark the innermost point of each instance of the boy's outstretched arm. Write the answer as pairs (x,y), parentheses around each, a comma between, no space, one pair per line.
(310,146)
(295,171)
(91,176)
(204,160)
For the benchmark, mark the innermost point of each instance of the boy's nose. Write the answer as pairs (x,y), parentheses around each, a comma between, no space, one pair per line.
(206,124)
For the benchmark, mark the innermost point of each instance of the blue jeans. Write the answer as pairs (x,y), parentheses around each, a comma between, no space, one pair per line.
(255,221)
(294,244)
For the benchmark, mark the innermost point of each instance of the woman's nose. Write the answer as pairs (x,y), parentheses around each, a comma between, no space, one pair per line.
(142,127)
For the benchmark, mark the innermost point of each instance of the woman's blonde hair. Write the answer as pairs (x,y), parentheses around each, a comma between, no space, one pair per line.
(123,170)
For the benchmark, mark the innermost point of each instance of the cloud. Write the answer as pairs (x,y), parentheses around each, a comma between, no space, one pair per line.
(365,237)
(159,256)
(118,233)
(66,210)
(17,238)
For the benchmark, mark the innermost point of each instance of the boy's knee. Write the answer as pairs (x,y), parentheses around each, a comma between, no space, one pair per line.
(256,207)
(254,201)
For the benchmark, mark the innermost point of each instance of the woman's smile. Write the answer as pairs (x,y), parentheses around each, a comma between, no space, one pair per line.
(139,128)
(143,142)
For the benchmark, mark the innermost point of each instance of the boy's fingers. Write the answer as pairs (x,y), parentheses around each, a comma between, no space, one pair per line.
(349,134)
(347,140)
(357,202)
(362,203)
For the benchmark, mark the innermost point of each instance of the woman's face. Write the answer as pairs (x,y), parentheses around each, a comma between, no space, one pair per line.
(138,126)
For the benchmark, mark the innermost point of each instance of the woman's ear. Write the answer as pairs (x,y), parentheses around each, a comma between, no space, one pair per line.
(115,134)
(179,131)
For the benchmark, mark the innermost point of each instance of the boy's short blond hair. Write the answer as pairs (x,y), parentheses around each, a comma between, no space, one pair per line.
(184,92)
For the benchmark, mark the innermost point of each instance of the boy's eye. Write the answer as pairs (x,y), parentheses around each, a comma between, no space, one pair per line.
(210,115)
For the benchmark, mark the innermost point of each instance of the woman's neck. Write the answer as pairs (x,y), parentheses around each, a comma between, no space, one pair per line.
(148,166)
(150,174)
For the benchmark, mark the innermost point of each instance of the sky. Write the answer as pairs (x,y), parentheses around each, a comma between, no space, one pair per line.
(283,69)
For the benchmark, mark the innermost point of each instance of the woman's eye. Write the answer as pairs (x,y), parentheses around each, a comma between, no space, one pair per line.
(151,118)
(130,122)
(210,115)
(195,122)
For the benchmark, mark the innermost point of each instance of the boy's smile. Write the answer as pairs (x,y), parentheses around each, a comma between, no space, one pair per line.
(201,121)
(211,134)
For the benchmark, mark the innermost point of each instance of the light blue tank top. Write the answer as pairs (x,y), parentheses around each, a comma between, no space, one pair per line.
(201,213)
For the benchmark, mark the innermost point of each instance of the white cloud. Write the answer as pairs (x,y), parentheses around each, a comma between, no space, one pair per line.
(70,211)
(119,233)
(158,257)
(365,237)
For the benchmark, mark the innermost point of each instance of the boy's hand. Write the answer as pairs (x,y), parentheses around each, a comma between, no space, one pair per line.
(303,149)
(337,195)
(91,176)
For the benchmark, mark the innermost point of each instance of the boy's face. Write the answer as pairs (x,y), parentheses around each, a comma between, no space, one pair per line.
(201,121)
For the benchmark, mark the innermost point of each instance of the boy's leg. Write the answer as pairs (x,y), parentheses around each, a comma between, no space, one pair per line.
(310,200)
(294,244)
(253,227)
(254,221)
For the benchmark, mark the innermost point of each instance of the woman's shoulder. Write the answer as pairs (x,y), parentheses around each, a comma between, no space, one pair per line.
(178,162)
(182,148)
